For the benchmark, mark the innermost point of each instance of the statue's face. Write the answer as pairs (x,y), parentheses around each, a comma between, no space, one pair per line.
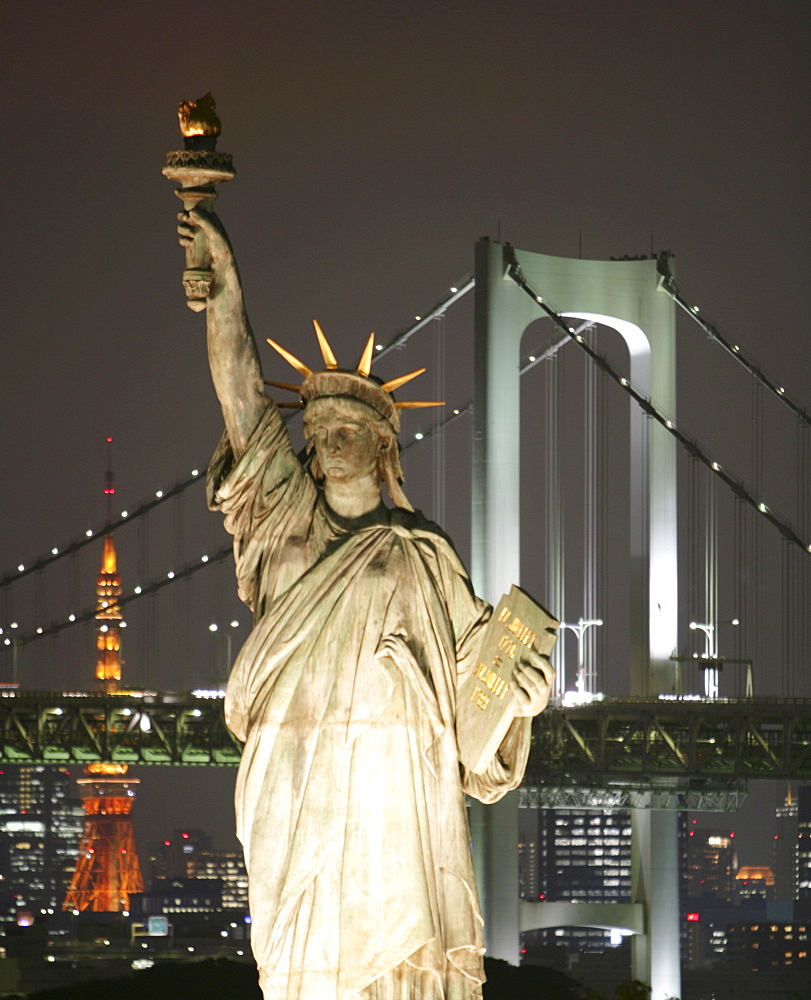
(346,448)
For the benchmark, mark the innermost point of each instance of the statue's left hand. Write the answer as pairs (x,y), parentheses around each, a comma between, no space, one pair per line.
(533,678)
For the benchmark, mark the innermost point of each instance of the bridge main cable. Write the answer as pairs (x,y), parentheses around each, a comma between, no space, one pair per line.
(92,534)
(669,285)
(150,589)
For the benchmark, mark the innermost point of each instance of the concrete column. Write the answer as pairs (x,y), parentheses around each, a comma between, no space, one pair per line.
(624,295)
(655,956)
(500,318)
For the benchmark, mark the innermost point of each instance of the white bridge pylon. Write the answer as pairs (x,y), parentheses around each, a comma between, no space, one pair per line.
(625,295)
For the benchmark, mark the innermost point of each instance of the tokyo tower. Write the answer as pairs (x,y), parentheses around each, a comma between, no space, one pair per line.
(107,868)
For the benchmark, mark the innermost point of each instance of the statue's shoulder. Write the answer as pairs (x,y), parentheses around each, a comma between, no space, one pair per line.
(415,522)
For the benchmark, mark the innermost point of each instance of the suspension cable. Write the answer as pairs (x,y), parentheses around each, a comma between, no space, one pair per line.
(737,486)
(147,591)
(92,534)
(669,285)
(401,339)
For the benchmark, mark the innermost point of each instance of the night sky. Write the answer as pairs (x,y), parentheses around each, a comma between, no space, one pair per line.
(374,143)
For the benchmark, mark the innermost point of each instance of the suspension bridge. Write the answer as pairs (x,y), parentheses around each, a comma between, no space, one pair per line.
(609,475)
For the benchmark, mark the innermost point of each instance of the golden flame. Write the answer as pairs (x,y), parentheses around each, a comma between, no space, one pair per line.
(198,117)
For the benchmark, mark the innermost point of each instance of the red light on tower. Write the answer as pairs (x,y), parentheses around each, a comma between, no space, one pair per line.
(693,917)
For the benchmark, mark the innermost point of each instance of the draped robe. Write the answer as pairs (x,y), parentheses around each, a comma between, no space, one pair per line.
(350,794)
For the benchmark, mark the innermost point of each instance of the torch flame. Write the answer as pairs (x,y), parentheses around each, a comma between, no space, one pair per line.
(198,117)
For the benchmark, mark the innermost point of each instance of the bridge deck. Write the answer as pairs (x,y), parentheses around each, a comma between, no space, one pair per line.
(614,740)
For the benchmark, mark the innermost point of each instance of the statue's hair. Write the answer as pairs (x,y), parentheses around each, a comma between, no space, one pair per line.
(388,460)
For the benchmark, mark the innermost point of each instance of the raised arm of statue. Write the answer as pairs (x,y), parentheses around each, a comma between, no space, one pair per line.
(232,354)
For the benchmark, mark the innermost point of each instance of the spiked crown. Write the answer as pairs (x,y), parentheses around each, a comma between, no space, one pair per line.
(357,383)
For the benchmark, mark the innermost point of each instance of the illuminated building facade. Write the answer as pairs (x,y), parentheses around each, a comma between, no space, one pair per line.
(711,864)
(752,882)
(804,842)
(189,854)
(107,871)
(179,895)
(786,843)
(40,829)
(574,855)
(767,944)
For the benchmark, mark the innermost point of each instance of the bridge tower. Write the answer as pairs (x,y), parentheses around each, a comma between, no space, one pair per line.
(627,296)
(107,868)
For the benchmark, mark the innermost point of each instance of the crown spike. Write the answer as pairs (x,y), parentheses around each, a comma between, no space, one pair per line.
(395,383)
(291,359)
(329,357)
(365,363)
(283,385)
(416,404)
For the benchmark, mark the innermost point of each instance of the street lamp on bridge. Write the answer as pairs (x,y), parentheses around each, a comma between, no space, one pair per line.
(224,631)
(583,624)
(711,653)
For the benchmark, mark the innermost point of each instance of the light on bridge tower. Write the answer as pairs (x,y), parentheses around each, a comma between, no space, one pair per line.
(107,868)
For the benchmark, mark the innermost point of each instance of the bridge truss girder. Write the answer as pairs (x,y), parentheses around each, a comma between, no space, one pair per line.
(628,740)
(619,749)
(79,729)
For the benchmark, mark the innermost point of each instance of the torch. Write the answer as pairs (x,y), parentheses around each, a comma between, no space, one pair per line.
(198,167)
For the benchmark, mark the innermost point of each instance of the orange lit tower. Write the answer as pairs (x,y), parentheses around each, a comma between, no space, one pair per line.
(107,869)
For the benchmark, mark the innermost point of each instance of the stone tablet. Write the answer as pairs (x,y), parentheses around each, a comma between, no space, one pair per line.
(485,703)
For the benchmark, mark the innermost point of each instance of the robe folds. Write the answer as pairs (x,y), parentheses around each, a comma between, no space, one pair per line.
(350,794)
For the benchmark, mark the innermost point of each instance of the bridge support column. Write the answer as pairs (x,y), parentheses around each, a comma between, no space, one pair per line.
(655,954)
(626,296)
(503,312)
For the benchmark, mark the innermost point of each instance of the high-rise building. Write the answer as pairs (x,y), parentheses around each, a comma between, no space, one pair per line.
(804,842)
(785,848)
(574,855)
(711,864)
(766,944)
(107,870)
(189,854)
(585,855)
(40,828)
(754,882)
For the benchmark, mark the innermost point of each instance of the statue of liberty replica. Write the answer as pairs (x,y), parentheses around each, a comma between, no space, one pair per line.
(350,794)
